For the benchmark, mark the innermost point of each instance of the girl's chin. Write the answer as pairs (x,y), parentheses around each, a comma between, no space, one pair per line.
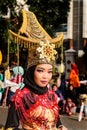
(42,86)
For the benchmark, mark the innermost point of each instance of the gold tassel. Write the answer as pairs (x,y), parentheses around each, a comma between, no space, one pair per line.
(61,68)
(7,128)
(10,128)
(2,128)
(7,73)
(0,57)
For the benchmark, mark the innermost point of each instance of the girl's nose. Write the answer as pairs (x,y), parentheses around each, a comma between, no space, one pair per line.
(45,75)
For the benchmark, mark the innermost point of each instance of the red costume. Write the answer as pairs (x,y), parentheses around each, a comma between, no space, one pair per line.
(37,110)
(74,76)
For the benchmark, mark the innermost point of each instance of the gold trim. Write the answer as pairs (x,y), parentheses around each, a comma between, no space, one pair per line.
(33,37)
(58,41)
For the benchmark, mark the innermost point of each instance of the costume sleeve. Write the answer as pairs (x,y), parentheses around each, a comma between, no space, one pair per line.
(12,118)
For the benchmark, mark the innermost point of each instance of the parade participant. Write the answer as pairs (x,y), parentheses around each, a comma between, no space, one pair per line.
(74,79)
(61,100)
(74,76)
(35,106)
(15,82)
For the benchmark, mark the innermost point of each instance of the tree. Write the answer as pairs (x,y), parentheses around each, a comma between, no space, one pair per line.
(50,13)
(13,22)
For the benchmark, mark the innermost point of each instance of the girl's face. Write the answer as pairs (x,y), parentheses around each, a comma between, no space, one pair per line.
(43,74)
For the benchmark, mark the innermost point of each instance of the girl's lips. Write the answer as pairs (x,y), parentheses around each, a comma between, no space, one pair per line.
(44,82)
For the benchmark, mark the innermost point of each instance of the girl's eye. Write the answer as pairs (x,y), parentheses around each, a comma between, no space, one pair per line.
(39,70)
(50,72)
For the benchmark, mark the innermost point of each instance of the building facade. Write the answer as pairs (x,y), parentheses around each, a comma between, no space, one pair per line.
(77,24)
(76,35)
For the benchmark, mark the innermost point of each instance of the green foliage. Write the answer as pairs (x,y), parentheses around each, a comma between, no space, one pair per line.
(50,13)
(4,4)
(13,23)
(13,47)
(4,25)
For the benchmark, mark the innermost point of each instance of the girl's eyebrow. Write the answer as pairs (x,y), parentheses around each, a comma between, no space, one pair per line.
(43,68)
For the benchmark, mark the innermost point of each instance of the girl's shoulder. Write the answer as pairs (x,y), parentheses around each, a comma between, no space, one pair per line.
(20,93)
(22,96)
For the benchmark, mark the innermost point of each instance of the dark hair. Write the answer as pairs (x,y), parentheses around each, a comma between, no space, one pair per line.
(30,72)
(53,85)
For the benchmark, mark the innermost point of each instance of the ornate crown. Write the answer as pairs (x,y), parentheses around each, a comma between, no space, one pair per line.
(43,53)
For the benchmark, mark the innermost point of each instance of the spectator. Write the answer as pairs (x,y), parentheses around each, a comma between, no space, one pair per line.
(71,100)
(71,93)
(63,86)
(83,107)
(61,100)
(69,107)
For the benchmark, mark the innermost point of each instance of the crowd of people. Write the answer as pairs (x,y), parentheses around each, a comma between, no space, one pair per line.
(11,78)
(72,93)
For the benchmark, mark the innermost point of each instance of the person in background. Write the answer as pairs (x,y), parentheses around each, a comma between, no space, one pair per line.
(70,106)
(74,78)
(71,100)
(35,106)
(71,93)
(7,75)
(1,84)
(83,107)
(63,85)
(15,82)
(61,100)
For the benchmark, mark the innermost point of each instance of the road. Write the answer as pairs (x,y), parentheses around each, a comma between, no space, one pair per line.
(71,122)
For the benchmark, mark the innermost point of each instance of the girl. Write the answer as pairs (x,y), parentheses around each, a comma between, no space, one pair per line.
(35,106)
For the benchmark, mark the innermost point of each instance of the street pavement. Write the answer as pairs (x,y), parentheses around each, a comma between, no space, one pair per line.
(71,122)
(3,115)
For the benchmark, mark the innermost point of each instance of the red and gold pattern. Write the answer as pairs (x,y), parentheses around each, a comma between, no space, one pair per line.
(40,112)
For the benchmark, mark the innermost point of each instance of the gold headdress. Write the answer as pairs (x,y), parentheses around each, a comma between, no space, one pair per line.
(43,53)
